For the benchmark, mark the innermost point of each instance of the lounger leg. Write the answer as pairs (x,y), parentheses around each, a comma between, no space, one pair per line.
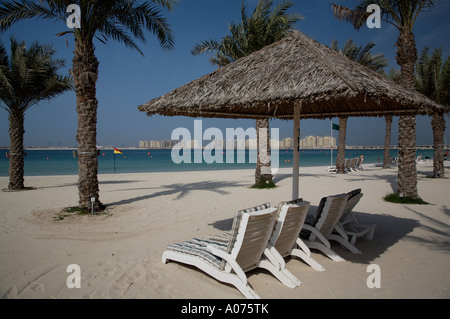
(246,290)
(327,251)
(280,275)
(353,240)
(370,234)
(305,254)
(307,259)
(274,257)
(229,278)
(345,244)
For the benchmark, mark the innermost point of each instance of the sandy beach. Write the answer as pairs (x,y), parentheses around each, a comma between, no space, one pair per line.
(119,253)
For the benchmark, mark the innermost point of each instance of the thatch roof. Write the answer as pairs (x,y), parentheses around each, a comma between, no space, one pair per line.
(297,68)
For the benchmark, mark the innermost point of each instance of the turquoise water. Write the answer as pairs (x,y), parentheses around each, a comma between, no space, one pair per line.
(62,162)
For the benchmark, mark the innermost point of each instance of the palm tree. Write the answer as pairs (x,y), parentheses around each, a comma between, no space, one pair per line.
(120,20)
(263,27)
(402,14)
(364,56)
(395,76)
(433,79)
(27,77)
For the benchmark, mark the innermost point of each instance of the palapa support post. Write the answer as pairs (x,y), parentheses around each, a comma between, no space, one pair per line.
(331,142)
(296,159)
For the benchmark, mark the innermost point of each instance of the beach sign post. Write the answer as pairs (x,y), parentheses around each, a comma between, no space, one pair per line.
(116,151)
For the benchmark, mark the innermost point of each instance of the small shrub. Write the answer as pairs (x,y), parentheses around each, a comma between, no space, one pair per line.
(395,198)
(262,184)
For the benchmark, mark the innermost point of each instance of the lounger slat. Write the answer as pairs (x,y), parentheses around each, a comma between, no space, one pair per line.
(293,222)
(336,207)
(255,240)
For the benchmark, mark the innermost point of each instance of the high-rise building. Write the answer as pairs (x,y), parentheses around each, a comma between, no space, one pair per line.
(286,143)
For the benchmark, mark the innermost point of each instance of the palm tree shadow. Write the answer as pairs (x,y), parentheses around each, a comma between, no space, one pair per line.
(279,177)
(391,179)
(100,183)
(183,190)
(438,232)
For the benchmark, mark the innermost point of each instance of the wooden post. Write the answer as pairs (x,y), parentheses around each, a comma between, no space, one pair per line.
(296,159)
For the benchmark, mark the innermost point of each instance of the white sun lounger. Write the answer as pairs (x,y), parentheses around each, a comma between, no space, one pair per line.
(229,255)
(358,164)
(351,165)
(318,227)
(350,224)
(286,239)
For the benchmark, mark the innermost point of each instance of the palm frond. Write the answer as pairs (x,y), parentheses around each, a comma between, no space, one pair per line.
(117,20)
(444,93)
(263,27)
(14,11)
(356,17)
(117,33)
(362,54)
(430,74)
(30,76)
(205,46)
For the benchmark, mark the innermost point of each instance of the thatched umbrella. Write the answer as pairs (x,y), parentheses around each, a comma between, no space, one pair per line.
(296,77)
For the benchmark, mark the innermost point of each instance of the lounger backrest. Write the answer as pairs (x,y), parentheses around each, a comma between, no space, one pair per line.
(352,200)
(250,235)
(291,218)
(330,214)
(352,162)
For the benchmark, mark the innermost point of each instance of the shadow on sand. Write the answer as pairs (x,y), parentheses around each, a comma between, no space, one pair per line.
(389,231)
(182,190)
(437,236)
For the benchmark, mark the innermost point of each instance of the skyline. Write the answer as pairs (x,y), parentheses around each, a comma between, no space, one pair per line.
(307,141)
(126,79)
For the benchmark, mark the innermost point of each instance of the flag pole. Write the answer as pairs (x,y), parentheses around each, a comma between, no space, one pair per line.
(114,152)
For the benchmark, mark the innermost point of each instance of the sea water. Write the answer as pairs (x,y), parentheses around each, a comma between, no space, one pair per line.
(62,162)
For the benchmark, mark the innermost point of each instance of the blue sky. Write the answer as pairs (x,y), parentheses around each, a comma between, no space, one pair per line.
(127,79)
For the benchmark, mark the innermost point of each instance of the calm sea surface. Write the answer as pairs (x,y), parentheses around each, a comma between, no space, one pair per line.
(62,162)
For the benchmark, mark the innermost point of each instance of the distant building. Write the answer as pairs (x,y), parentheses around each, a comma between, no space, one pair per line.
(286,143)
(312,141)
(165,144)
(143,144)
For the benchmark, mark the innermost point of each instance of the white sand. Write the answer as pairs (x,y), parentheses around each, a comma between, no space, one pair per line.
(120,254)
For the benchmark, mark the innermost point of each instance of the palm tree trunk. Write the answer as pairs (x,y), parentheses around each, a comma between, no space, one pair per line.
(438,124)
(387,141)
(16,154)
(340,160)
(407,173)
(85,71)
(263,174)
